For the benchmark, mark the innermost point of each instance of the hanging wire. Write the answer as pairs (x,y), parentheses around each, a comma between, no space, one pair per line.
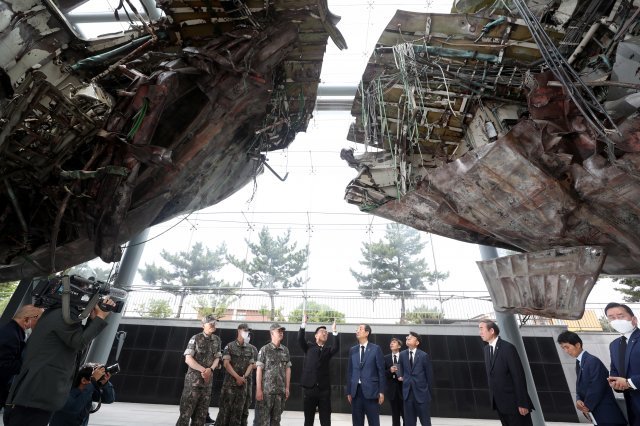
(590,108)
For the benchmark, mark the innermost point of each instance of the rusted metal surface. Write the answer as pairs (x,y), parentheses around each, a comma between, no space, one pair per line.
(553,283)
(484,141)
(100,139)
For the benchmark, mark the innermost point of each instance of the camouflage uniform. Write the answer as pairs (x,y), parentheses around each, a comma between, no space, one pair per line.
(248,396)
(194,402)
(274,361)
(234,399)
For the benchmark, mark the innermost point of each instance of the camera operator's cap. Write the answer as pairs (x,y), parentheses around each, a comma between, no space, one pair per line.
(416,335)
(276,326)
(320,328)
(244,326)
(209,319)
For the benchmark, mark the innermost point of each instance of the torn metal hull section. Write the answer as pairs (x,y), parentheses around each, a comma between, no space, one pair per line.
(553,283)
(499,153)
(102,138)
(512,128)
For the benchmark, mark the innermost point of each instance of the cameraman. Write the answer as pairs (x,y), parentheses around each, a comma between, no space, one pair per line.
(44,381)
(90,385)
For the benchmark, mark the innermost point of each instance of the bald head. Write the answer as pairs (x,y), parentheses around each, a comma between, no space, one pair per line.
(27,316)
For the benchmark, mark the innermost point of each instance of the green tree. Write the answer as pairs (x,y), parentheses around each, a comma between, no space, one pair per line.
(6,291)
(155,308)
(276,264)
(216,305)
(423,313)
(275,315)
(630,288)
(191,272)
(392,266)
(317,313)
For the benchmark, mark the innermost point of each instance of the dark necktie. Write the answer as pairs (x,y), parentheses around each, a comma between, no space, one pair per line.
(490,353)
(395,359)
(361,354)
(577,367)
(622,365)
(411,358)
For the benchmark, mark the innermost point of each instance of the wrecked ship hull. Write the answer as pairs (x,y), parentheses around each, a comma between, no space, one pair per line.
(485,133)
(100,139)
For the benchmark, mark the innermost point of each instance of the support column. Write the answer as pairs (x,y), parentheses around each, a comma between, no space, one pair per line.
(101,345)
(21,296)
(509,331)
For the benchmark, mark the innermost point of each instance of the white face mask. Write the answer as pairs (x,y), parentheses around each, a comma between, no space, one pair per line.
(621,326)
(27,333)
(246,337)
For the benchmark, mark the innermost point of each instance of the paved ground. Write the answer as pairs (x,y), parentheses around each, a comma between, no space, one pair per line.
(123,413)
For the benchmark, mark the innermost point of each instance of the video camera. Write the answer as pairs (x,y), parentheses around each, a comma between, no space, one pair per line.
(49,293)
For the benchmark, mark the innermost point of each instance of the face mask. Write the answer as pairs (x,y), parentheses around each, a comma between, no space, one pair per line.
(245,336)
(621,326)
(27,333)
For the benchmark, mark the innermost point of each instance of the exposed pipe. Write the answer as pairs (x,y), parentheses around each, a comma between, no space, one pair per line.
(16,206)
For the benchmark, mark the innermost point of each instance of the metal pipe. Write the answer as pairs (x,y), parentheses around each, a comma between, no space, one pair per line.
(16,206)
(509,331)
(585,40)
(94,17)
(21,296)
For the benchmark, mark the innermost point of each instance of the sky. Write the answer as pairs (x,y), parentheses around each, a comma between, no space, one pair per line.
(311,201)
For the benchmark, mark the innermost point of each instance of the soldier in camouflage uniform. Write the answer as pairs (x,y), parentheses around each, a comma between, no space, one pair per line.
(239,359)
(272,378)
(202,356)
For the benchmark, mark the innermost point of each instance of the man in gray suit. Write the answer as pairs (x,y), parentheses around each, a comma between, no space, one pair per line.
(44,381)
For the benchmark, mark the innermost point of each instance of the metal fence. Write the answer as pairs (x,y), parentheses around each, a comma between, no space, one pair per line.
(349,306)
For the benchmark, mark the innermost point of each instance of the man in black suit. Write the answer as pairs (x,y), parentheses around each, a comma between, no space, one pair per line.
(394,386)
(507,383)
(12,342)
(315,373)
(594,397)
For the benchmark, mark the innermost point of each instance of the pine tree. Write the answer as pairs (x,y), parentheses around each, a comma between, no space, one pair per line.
(276,264)
(317,313)
(191,272)
(630,288)
(392,265)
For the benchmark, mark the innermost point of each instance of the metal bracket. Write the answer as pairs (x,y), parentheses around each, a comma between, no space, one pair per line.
(262,159)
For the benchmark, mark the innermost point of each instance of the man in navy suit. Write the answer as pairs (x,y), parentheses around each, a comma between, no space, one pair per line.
(593,393)
(393,392)
(365,379)
(625,358)
(507,383)
(416,375)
